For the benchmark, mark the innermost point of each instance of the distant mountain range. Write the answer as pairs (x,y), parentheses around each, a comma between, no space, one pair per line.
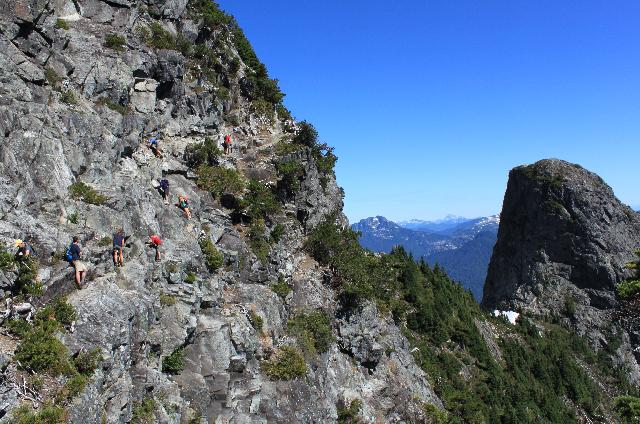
(462,246)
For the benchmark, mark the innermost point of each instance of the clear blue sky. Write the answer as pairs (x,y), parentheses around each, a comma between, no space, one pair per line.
(430,103)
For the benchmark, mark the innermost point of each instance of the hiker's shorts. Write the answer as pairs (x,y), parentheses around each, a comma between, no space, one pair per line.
(80,266)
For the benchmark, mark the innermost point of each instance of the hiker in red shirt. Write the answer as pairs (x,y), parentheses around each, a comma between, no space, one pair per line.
(155,241)
(227,144)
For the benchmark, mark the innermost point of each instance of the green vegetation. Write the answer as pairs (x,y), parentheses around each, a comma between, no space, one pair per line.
(143,412)
(349,414)
(312,331)
(286,364)
(167,299)
(259,201)
(258,240)
(105,241)
(73,218)
(190,278)
(533,172)
(86,193)
(52,77)
(117,107)
(72,388)
(213,259)
(210,13)
(256,321)
(62,24)
(86,362)
(276,233)
(115,42)
(206,153)
(628,409)
(174,363)
(26,283)
(69,97)
(281,288)
(48,414)
(160,38)
(219,180)
(631,288)
(290,172)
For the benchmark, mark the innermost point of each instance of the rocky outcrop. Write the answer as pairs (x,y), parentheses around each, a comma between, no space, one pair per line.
(563,245)
(76,107)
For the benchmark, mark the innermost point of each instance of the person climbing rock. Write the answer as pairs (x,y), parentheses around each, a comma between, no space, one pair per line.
(164,190)
(154,146)
(24,250)
(183,203)
(227,144)
(118,245)
(76,255)
(154,242)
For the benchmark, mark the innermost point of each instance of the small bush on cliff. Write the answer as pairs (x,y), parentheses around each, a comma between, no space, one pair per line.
(62,24)
(628,289)
(159,37)
(86,193)
(210,13)
(290,172)
(313,332)
(174,363)
(286,364)
(349,414)
(258,240)
(213,259)
(143,412)
(48,414)
(256,321)
(206,153)
(115,42)
(281,288)
(219,181)
(41,351)
(628,409)
(259,201)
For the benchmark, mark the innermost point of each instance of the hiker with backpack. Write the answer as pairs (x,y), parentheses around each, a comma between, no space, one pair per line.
(155,148)
(227,144)
(183,203)
(73,256)
(118,245)
(24,250)
(164,190)
(154,242)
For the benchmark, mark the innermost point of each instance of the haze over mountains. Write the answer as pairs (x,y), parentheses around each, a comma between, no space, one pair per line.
(462,246)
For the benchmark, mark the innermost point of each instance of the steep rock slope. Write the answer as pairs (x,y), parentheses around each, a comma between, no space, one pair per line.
(563,246)
(84,83)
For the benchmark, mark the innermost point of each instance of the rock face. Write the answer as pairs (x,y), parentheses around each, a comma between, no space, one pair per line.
(563,244)
(75,107)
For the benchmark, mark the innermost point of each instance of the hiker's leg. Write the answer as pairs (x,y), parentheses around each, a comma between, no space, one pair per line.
(78,280)
(121,257)
(115,257)
(157,253)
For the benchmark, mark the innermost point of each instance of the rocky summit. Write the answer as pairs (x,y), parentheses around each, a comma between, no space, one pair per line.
(563,246)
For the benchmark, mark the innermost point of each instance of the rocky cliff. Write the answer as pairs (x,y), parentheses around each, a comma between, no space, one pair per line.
(563,247)
(84,84)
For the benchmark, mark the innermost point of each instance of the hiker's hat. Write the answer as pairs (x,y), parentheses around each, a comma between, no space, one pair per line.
(17,242)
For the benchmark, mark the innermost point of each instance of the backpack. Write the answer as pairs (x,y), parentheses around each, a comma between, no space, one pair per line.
(67,255)
(164,184)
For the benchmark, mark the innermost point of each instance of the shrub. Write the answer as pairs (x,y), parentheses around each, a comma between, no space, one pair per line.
(313,332)
(257,240)
(6,261)
(86,193)
(210,13)
(213,259)
(263,108)
(256,321)
(143,412)
(290,172)
(69,97)
(349,414)
(73,218)
(628,409)
(52,77)
(62,24)
(167,299)
(259,200)
(18,327)
(73,387)
(41,351)
(190,278)
(105,241)
(307,135)
(86,362)
(281,288)
(121,109)
(160,38)
(207,153)
(219,180)
(287,364)
(115,42)
(27,282)
(285,147)
(60,311)
(48,414)
(276,233)
(628,289)
(174,363)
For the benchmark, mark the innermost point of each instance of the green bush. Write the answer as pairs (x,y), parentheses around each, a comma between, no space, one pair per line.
(281,288)
(167,299)
(349,414)
(115,42)
(73,218)
(263,108)
(286,364)
(628,289)
(60,311)
(52,77)
(73,387)
(290,172)
(628,409)
(69,97)
(207,153)
(86,193)
(256,321)
(313,332)
(276,233)
(6,261)
(160,38)
(219,180)
(117,107)
(41,351)
(18,327)
(213,259)
(210,13)
(27,282)
(48,414)
(307,135)
(174,363)
(143,412)
(190,278)
(258,241)
(62,24)
(259,201)
(286,147)
(86,362)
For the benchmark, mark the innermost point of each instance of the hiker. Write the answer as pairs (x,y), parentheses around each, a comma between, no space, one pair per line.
(164,190)
(24,250)
(118,245)
(183,203)
(155,241)
(153,145)
(80,267)
(227,144)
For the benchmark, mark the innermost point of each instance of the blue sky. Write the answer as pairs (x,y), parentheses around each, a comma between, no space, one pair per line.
(430,103)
